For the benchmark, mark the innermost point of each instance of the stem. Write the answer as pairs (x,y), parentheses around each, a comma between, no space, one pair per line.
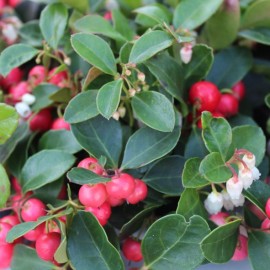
(235,176)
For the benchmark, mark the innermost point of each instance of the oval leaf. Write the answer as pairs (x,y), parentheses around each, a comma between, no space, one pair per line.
(155,110)
(45,167)
(108,98)
(260,35)
(95,51)
(4,186)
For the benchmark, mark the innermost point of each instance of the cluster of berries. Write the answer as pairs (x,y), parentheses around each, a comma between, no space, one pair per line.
(205,96)
(99,198)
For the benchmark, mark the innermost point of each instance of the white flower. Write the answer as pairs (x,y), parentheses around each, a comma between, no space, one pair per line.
(10,33)
(239,202)
(250,161)
(246,177)
(234,189)
(186,54)
(214,203)
(227,202)
(23,109)
(28,99)
(255,173)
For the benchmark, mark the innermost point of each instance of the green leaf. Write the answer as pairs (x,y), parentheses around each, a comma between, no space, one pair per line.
(213,168)
(4,186)
(45,167)
(250,138)
(192,13)
(200,64)
(190,204)
(95,51)
(59,139)
(219,245)
(165,175)
(100,137)
(251,19)
(258,250)
(217,136)
(9,120)
(150,44)
(169,73)
(96,24)
(88,246)
(147,145)
(82,107)
(53,21)
(42,93)
(154,110)
(108,98)
(260,35)
(31,34)
(14,56)
(125,52)
(83,176)
(191,176)
(26,258)
(267,100)
(230,66)
(63,95)
(222,28)
(60,254)
(82,5)
(175,242)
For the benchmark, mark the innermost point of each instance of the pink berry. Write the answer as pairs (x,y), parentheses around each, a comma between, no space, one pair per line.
(4,229)
(14,77)
(115,202)
(47,244)
(102,213)
(32,209)
(14,3)
(60,123)
(219,218)
(132,250)
(205,96)
(59,79)
(91,164)
(6,253)
(121,186)
(10,219)
(42,121)
(92,195)
(139,193)
(228,105)
(108,16)
(239,90)
(37,75)
(18,90)
(267,208)
(241,250)
(35,233)
(266,225)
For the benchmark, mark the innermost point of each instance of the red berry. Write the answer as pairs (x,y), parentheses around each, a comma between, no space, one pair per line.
(139,193)
(241,250)
(10,219)
(239,90)
(47,244)
(115,202)
(108,16)
(91,164)
(6,253)
(35,233)
(205,96)
(121,186)
(32,209)
(267,208)
(228,105)
(37,75)
(219,218)
(18,90)
(60,123)
(4,229)
(132,250)
(42,121)
(102,213)
(14,77)
(14,3)
(59,79)
(266,225)
(93,196)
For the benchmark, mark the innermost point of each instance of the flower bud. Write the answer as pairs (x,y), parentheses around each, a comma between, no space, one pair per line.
(116,116)
(132,92)
(23,109)
(28,99)
(245,176)
(227,202)
(141,77)
(250,160)
(234,189)
(122,111)
(213,203)
(186,54)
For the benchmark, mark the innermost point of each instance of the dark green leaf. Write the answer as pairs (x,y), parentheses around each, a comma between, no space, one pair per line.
(45,167)
(165,175)
(154,110)
(260,35)
(147,145)
(175,242)
(100,137)
(148,45)
(88,246)
(95,51)
(219,245)
(4,186)
(63,95)
(125,52)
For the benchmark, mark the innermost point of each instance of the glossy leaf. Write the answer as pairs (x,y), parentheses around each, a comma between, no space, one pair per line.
(53,21)
(192,13)
(82,107)
(165,175)
(4,186)
(260,35)
(213,168)
(88,246)
(95,51)
(14,56)
(230,66)
(45,167)
(191,177)
(100,137)
(59,139)
(147,145)
(190,204)
(148,45)
(155,110)
(108,98)
(175,242)
(83,176)
(219,245)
